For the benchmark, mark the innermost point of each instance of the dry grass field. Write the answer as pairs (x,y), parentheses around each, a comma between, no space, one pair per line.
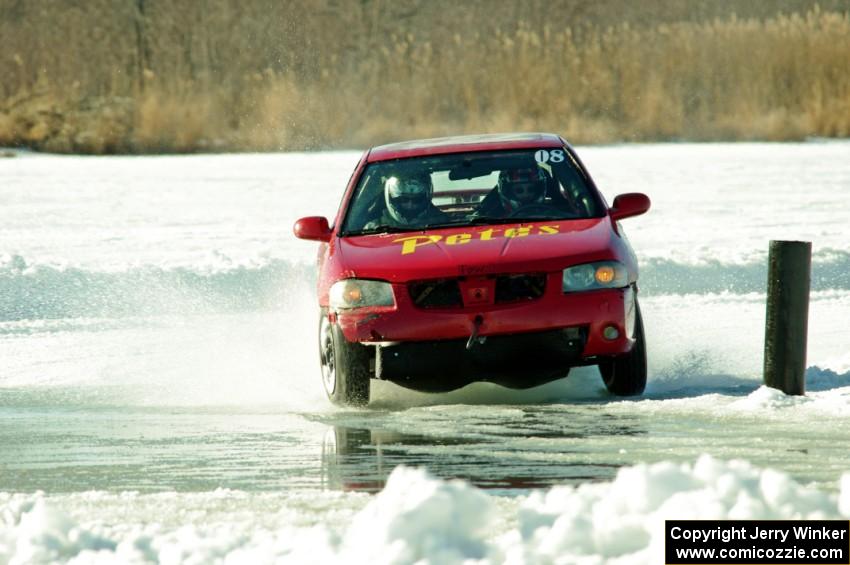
(107,76)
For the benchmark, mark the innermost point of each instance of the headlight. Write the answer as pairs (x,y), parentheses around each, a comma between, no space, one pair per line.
(356,293)
(592,276)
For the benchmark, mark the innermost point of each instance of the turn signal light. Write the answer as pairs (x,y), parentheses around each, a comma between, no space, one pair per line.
(353,295)
(605,274)
(592,276)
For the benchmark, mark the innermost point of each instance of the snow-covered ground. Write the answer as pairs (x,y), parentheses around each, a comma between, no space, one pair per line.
(160,402)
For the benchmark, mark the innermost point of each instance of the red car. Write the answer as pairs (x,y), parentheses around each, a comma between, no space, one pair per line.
(476,258)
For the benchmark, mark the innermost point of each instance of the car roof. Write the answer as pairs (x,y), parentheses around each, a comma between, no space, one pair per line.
(463,144)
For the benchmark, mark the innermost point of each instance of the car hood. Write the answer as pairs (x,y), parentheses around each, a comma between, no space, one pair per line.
(477,250)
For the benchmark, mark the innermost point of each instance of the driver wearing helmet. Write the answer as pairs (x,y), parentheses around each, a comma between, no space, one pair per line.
(517,188)
(408,204)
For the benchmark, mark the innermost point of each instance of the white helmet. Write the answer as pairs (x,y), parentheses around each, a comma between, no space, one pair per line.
(408,199)
(522,186)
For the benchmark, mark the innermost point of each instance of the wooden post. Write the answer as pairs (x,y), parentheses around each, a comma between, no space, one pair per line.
(786,325)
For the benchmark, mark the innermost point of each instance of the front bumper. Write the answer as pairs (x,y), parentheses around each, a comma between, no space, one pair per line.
(592,311)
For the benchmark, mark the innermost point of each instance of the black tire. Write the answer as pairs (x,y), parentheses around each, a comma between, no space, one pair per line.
(345,365)
(625,375)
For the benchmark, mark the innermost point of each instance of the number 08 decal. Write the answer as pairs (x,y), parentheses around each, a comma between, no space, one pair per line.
(555,156)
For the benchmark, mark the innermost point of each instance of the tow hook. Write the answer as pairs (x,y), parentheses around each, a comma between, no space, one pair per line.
(473,339)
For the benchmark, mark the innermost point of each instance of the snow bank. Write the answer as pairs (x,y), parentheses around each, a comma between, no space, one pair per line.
(417,517)
(827,395)
(623,521)
(826,378)
(421,519)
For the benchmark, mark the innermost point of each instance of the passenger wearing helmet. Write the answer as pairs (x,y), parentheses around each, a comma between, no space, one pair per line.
(408,204)
(516,189)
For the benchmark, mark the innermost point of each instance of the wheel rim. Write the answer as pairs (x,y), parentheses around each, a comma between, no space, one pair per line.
(326,352)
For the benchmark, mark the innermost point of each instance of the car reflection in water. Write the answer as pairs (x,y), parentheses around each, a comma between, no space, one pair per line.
(361,459)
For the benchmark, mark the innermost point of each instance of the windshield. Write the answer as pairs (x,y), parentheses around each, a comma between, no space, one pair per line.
(463,189)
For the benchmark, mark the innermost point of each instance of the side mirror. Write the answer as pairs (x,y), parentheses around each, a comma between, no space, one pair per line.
(628,205)
(312,227)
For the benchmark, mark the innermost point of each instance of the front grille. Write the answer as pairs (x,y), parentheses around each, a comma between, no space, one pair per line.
(446,293)
(443,293)
(514,288)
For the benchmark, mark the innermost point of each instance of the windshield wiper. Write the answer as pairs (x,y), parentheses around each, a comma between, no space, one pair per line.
(476,221)
(382,229)
(473,221)
(480,220)
(527,219)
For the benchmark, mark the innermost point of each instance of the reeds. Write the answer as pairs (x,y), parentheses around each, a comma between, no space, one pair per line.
(152,76)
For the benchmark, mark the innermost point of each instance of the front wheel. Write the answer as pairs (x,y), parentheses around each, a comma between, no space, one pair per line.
(625,375)
(345,365)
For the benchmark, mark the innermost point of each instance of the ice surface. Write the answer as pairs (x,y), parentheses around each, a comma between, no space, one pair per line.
(159,396)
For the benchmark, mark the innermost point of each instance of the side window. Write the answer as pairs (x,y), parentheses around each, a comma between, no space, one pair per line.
(365,206)
(573,190)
